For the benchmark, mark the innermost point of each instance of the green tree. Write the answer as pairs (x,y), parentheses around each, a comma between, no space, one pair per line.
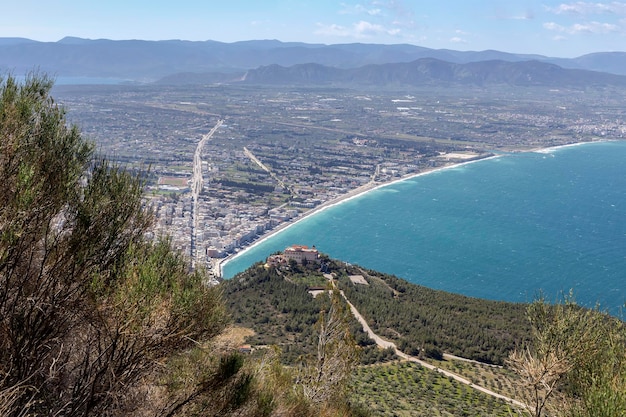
(88,308)
(577,355)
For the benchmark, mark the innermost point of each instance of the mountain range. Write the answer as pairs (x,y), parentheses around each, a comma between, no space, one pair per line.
(273,62)
(434,72)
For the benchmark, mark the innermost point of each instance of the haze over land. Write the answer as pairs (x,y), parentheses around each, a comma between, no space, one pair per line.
(197,42)
(352,114)
(272,62)
(548,27)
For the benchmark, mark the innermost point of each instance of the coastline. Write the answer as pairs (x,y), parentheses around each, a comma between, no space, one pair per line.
(491,254)
(362,190)
(357,192)
(551,149)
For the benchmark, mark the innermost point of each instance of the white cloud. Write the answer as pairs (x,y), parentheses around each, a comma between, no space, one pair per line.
(554,26)
(372,18)
(596,18)
(357,9)
(364,28)
(332,30)
(457,39)
(597,28)
(360,30)
(588,8)
(409,24)
(396,11)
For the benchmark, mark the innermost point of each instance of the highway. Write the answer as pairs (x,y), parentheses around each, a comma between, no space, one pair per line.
(196,188)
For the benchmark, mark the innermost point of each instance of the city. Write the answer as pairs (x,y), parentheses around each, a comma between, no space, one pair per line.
(274,154)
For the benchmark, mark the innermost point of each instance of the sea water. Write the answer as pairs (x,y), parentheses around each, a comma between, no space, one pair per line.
(508,228)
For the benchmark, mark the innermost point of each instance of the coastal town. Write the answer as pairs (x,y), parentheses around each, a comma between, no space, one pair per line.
(226,166)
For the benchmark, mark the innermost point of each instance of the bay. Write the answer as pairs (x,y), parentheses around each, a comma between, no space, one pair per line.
(507,228)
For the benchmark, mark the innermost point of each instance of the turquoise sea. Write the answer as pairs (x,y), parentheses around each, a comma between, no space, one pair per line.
(505,228)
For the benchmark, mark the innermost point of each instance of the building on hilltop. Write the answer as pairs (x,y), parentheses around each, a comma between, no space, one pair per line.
(301,253)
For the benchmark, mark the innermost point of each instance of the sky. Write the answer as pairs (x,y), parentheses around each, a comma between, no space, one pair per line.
(552,28)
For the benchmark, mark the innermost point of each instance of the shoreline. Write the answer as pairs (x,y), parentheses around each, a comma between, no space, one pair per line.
(357,192)
(366,188)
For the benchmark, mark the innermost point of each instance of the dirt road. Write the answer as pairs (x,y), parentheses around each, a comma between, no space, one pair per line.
(387,344)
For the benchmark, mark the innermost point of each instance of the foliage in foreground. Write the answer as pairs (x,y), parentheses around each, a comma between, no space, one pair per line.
(87,306)
(577,355)
(95,320)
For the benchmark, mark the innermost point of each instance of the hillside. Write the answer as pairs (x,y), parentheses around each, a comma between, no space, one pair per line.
(275,303)
(572,362)
(434,72)
(146,61)
(421,321)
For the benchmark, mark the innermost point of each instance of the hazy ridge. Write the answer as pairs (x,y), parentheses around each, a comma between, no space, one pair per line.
(211,61)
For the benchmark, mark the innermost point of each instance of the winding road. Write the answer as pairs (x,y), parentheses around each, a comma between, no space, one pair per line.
(387,344)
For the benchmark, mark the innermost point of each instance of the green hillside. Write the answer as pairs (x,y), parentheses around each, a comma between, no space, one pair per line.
(421,321)
(277,305)
(453,355)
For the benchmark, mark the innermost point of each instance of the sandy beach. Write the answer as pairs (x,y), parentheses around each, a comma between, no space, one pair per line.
(357,192)
(360,191)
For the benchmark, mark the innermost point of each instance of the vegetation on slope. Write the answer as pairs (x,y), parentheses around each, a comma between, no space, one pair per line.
(95,320)
(279,308)
(419,320)
(407,389)
(569,361)
(425,321)
(276,304)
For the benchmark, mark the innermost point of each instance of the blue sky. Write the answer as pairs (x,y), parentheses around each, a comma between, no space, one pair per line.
(554,28)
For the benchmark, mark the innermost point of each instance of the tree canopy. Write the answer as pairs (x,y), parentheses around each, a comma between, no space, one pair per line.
(95,318)
(88,306)
(575,354)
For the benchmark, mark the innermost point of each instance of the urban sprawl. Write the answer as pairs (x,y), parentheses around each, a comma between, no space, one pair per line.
(226,165)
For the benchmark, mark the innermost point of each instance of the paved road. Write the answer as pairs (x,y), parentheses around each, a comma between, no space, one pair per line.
(387,344)
(196,188)
(254,159)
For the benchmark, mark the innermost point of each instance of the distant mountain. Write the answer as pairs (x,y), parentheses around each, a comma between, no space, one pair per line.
(151,60)
(612,62)
(14,41)
(435,72)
